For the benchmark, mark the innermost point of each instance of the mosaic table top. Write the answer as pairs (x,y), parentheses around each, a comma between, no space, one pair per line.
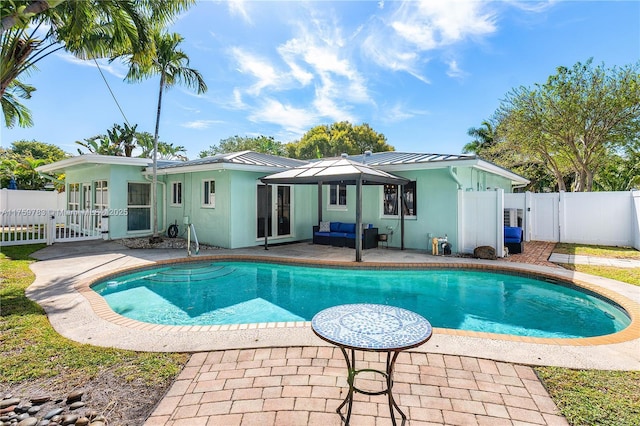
(371,327)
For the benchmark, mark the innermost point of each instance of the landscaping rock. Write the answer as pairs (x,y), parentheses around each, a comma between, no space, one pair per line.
(29,421)
(484,252)
(9,402)
(74,396)
(23,412)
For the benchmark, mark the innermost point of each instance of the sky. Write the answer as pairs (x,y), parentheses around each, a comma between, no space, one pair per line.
(420,72)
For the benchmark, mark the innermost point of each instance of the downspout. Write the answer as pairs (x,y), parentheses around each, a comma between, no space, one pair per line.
(164,203)
(455,176)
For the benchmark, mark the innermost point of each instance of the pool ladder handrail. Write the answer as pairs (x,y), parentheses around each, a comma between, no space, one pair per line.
(192,229)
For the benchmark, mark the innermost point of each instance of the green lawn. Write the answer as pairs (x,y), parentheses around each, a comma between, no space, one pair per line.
(600,251)
(594,397)
(30,349)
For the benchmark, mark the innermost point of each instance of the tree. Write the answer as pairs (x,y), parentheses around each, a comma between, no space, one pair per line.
(336,139)
(119,141)
(574,120)
(484,137)
(166,151)
(172,64)
(263,144)
(21,160)
(621,171)
(33,29)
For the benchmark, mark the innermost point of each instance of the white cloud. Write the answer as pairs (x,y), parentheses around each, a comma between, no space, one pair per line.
(400,41)
(114,68)
(317,55)
(454,70)
(260,68)
(292,119)
(239,8)
(200,124)
(399,112)
(431,24)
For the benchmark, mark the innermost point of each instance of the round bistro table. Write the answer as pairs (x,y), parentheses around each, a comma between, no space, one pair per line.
(375,328)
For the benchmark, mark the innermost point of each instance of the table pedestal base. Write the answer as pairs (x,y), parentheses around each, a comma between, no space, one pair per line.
(388,375)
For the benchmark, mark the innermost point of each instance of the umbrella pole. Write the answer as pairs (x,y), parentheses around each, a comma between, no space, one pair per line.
(359,220)
(267,209)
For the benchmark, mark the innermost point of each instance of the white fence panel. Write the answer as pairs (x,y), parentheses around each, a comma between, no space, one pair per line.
(544,218)
(481,220)
(14,199)
(635,218)
(18,227)
(606,218)
(596,218)
(31,226)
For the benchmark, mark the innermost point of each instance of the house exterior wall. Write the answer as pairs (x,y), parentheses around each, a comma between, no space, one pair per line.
(117,177)
(232,223)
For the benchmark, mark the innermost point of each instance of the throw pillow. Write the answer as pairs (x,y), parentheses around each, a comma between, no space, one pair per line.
(324,227)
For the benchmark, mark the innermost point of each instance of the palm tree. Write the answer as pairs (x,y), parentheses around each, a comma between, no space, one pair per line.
(166,151)
(483,137)
(172,64)
(33,29)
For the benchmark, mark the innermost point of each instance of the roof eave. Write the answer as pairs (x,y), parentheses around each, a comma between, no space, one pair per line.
(92,159)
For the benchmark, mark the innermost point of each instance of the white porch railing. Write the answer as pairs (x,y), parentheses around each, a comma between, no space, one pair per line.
(31,226)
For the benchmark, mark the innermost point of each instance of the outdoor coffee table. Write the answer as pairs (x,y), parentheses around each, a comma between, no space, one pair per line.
(375,328)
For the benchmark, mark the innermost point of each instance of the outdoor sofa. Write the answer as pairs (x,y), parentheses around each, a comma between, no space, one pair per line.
(513,239)
(340,234)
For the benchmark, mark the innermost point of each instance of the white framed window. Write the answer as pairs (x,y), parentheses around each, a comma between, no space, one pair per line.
(100,195)
(391,200)
(100,200)
(138,206)
(337,197)
(176,193)
(209,193)
(73,202)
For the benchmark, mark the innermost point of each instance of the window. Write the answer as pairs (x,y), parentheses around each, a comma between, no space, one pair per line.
(100,200)
(139,207)
(101,195)
(338,197)
(176,193)
(410,201)
(390,200)
(73,202)
(209,193)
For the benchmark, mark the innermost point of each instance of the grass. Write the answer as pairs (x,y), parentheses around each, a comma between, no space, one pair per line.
(600,251)
(30,349)
(626,275)
(595,397)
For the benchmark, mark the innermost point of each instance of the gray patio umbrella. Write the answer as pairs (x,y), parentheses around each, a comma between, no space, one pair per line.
(337,171)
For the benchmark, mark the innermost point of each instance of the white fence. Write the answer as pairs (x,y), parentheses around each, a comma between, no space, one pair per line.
(11,199)
(480,221)
(31,226)
(605,218)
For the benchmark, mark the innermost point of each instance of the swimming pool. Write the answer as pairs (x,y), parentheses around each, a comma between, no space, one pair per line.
(232,292)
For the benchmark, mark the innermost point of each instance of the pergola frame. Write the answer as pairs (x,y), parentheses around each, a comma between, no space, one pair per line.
(340,172)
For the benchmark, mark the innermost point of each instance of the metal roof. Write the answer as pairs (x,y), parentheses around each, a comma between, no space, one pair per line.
(399,158)
(343,170)
(247,158)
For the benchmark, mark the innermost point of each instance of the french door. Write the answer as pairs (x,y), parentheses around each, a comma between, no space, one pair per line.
(274,210)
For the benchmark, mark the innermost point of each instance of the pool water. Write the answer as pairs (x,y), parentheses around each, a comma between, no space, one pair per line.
(241,292)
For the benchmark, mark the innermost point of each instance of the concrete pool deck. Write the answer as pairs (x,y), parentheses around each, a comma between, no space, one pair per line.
(64,273)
